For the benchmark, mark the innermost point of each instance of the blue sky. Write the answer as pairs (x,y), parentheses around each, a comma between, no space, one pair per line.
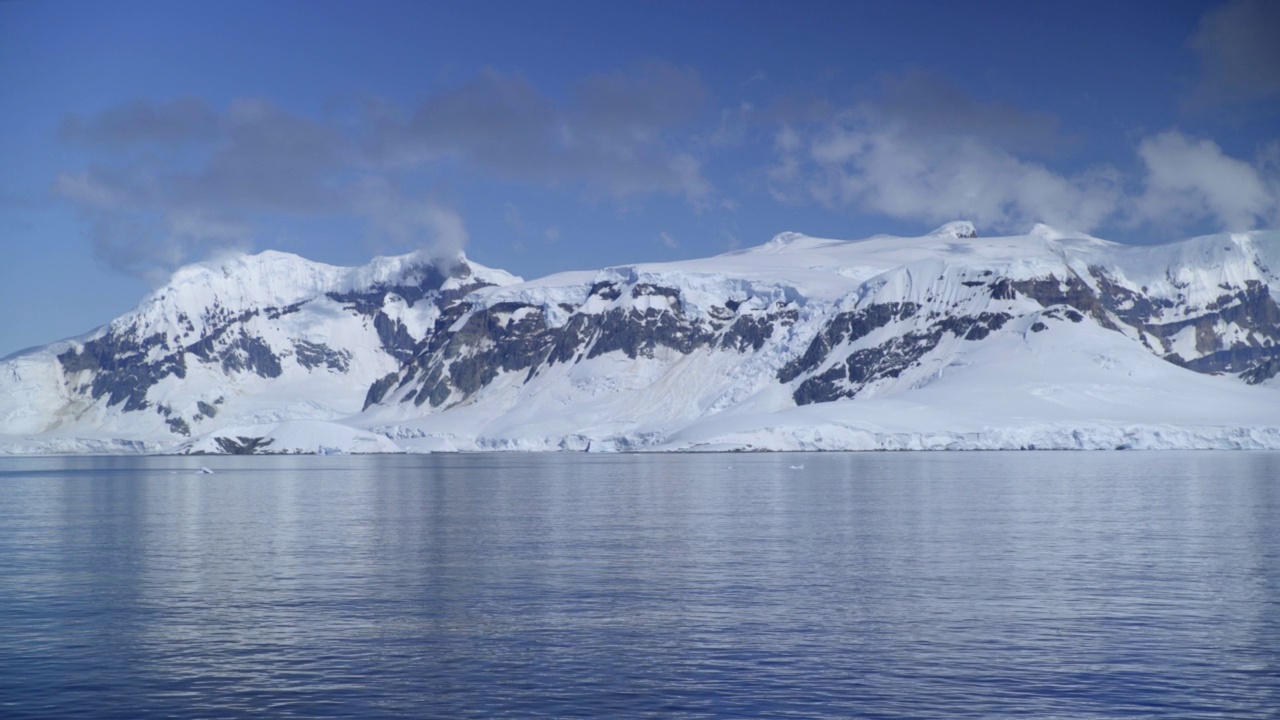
(545,136)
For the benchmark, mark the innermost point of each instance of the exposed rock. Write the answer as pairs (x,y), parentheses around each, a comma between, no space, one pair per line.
(242,445)
(312,355)
(846,327)
(178,426)
(120,366)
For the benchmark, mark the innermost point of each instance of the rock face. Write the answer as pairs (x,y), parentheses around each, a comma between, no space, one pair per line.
(633,319)
(795,322)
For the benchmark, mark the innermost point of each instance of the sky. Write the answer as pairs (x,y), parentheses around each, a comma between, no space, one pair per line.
(136,137)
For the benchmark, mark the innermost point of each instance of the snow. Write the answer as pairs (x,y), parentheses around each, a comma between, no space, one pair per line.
(1075,386)
(1050,390)
(306,437)
(34,393)
(1070,386)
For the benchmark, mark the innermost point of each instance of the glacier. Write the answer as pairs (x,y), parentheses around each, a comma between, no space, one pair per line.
(947,341)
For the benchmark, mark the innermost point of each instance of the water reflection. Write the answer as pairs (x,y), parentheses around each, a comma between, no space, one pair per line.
(893,585)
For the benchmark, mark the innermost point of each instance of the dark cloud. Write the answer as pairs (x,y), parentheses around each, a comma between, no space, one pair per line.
(267,160)
(172,181)
(258,158)
(129,244)
(150,245)
(140,121)
(408,222)
(639,102)
(500,122)
(925,105)
(612,137)
(149,212)
(1239,45)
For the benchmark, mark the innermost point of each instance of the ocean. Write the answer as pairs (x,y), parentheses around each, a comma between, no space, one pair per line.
(869,585)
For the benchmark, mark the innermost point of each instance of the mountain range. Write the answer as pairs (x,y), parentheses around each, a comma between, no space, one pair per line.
(946,341)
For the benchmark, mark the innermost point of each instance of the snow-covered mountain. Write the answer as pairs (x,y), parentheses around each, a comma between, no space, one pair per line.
(943,341)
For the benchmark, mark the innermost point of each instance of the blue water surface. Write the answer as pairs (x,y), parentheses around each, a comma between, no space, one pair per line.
(882,585)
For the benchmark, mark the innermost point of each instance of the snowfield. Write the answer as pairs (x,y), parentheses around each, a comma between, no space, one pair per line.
(1049,340)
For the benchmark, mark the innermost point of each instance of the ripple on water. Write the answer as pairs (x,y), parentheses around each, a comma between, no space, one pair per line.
(902,585)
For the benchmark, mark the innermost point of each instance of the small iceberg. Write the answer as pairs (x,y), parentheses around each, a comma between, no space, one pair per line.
(797,467)
(204,471)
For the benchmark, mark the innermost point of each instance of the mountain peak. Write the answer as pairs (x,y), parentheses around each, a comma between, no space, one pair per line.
(959,229)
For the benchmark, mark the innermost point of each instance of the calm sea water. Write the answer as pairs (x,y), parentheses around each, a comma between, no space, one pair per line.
(907,585)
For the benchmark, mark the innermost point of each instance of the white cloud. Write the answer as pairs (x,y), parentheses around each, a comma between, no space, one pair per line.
(1189,180)
(446,229)
(666,239)
(879,168)
(900,160)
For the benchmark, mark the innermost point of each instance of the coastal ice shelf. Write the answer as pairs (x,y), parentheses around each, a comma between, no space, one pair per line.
(946,341)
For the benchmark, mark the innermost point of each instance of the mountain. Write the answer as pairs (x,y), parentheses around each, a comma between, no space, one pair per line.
(253,340)
(950,340)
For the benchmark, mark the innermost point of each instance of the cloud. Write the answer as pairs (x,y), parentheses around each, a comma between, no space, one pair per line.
(922,105)
(200,179)
(731,240)
(928,153)
(253,156)
(612,137)
(149,246)
(446,229)
(216,172)
(90,189)
(665,238)
(1181,182)
(1188,180)
(410,223)
(893,165)
(267,160)
(641,100)
(784,175)
(1238,47)
(735,126)
(182,120)
(511,214)
(497,121)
